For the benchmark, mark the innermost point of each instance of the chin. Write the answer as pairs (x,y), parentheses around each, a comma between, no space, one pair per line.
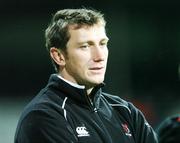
(98,81)
(95,80)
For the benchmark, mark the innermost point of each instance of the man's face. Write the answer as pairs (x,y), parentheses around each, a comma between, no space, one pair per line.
(87,53)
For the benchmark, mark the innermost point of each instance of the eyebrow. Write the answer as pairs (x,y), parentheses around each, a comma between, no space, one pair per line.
(89,41)
(105,39)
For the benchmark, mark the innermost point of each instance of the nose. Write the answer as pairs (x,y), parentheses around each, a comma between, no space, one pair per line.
(100,53)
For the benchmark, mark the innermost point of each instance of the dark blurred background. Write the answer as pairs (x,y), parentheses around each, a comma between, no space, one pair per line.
(144,54)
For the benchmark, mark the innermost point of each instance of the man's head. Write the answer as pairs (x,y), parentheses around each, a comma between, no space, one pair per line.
(169,130)
(77,42)
(57,34)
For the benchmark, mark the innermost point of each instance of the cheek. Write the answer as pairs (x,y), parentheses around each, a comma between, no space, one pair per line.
(79,60)
(78,63)
(107,52)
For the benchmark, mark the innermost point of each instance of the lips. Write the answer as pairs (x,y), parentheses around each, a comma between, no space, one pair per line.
(96,68)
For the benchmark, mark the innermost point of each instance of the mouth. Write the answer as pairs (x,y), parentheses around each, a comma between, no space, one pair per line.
(97,70)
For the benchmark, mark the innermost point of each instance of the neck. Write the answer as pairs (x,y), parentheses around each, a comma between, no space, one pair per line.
(71,83)
(89,91)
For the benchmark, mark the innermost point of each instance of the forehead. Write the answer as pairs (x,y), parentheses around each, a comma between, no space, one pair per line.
(86,32)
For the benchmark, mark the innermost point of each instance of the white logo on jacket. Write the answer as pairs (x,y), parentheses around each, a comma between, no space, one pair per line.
(82,131)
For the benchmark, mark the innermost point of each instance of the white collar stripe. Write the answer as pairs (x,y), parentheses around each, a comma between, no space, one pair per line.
(63,105)
(71,83)
(64,102)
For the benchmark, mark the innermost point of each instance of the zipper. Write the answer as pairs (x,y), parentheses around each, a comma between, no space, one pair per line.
(105,134)
(89,100)
(90,103)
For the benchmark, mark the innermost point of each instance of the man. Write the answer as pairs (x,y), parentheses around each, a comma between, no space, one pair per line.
(72,107)
(169,130)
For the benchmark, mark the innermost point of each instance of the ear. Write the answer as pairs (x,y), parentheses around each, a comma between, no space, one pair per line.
(57,56)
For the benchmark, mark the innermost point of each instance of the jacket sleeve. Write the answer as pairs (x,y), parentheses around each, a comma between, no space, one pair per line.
(144,133)
(44,127)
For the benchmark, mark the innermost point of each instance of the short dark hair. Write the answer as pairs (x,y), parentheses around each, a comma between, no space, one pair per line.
(169,130)
(57,35)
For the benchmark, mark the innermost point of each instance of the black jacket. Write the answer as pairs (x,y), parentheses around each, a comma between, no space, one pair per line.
(61,113)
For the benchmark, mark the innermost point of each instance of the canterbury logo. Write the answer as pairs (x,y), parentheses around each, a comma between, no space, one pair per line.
(82,132)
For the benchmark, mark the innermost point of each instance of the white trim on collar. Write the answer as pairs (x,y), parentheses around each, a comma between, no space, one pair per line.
(71,83)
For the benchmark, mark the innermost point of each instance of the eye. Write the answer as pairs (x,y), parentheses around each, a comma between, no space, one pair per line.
(84,46)
(103,43)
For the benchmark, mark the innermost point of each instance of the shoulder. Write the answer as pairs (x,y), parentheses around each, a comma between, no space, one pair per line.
(44,104)
(116,101)
(124,107)
(39,125)
(40,113)
(133,116)
(114,98)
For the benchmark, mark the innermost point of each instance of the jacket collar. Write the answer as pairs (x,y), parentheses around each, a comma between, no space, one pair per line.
(71,83)
(74,93)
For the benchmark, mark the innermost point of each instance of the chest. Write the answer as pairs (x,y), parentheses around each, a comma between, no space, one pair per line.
(101,126)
